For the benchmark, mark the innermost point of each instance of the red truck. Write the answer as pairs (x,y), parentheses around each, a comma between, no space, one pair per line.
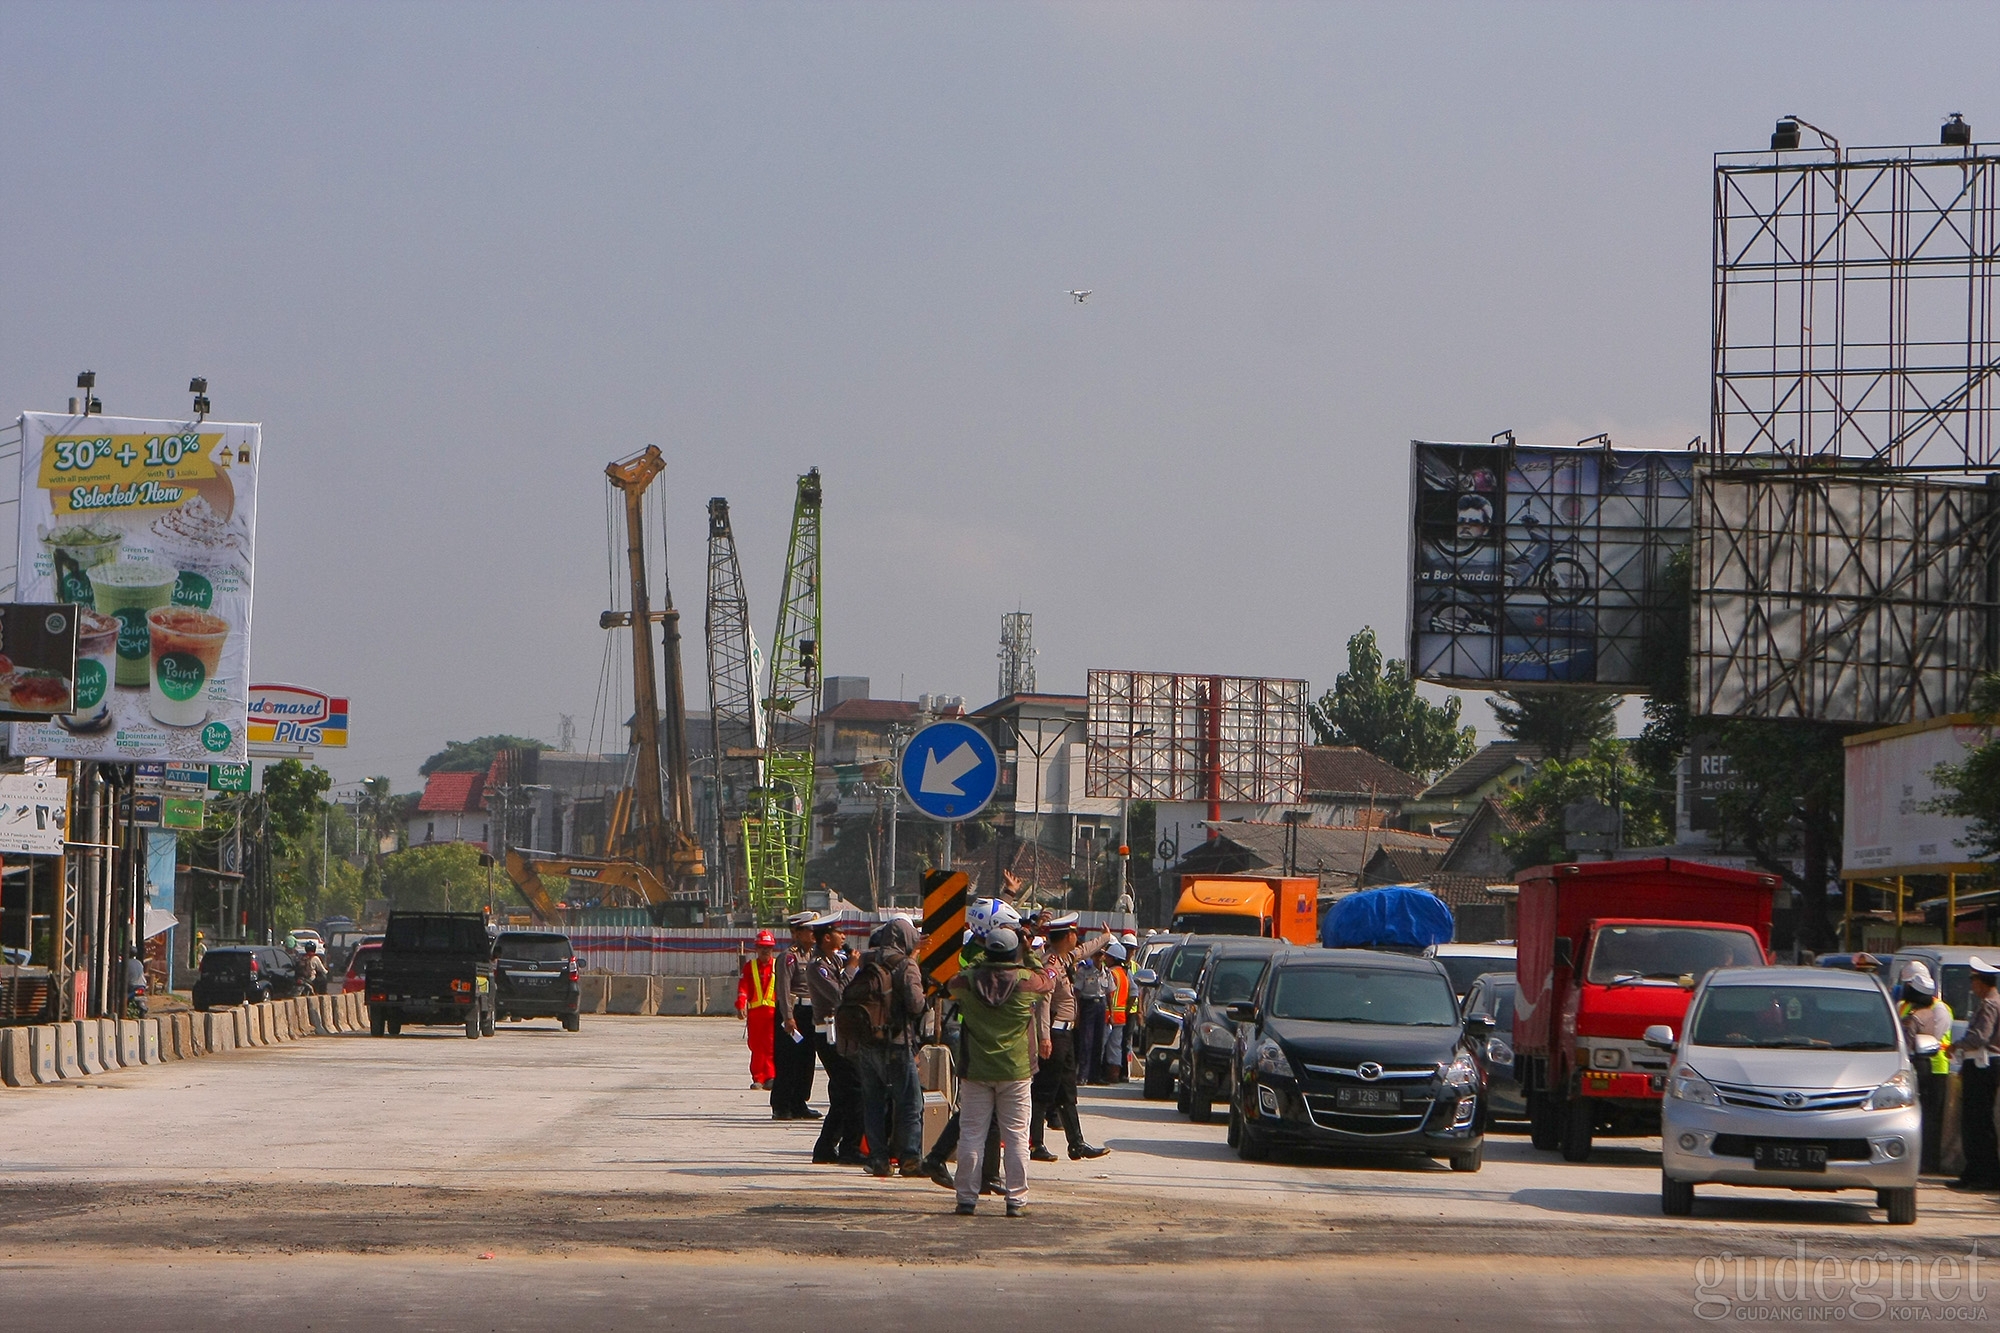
(1606,950)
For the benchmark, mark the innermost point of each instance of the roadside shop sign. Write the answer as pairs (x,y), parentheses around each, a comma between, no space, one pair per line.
(297,715)
(33,813)
(148,525)
(181,812)
(229,777)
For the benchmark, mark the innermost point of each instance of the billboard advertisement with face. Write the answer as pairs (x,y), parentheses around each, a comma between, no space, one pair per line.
(148,527)
(1541,566)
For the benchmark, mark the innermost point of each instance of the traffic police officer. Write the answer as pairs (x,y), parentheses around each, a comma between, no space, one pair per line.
(1055,1082)
(791,1041)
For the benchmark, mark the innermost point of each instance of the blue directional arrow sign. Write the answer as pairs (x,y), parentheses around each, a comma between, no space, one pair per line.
(950,771)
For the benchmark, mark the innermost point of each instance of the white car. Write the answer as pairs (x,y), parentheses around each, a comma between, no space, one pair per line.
(1795,1078)
(1463,962)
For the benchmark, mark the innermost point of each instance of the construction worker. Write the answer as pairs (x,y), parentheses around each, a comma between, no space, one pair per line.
(1117,1010)
(792,1052)
(1055,1081)
(757,1006)
(1925,1014)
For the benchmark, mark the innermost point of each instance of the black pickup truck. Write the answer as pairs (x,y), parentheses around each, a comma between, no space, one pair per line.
(434,969)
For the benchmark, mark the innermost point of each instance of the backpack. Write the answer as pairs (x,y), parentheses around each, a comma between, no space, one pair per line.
(867,1013)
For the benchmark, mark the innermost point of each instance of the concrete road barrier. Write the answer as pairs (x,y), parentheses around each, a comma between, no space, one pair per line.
(69,1051)
(16,1069)
(218,1031)
(239,1026)
(149,1041)
(89,1051)
(129,1053)
(591,987)
(281,1020)
(680,996)
(183,1036)
(107,1044)
(260,1024)
(632,995)
(170,1037)
(718,996)
(42,1043)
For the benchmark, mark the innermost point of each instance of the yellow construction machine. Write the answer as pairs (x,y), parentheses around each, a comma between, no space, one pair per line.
(652,853)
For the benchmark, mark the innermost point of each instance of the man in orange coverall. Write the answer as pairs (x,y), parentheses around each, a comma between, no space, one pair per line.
(757,1005)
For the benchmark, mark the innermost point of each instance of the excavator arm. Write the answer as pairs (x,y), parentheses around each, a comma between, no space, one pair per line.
(526,872)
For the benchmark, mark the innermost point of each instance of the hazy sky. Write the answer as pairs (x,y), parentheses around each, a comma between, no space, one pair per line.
(456,258)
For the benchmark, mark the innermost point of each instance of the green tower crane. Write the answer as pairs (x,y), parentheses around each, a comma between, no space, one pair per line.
(779,817)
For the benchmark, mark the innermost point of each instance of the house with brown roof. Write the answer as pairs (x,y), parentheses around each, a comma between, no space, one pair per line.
(1496,769)
(1337,856)
(1348,786)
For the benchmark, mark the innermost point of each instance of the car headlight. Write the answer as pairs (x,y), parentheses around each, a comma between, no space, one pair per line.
(1897,1092)
(1606,1057)
(1461,1072)
(1688,1086)
(1498,1052)
(1271,1060)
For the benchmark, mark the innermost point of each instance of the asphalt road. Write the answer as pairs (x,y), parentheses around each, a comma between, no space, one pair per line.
(630,1170)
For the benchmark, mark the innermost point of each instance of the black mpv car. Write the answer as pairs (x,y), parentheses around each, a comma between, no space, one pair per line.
(244,974)
(1208,1033)
(1359,1051)
(535,976)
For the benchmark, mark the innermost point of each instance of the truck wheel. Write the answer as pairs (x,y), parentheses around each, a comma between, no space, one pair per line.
(1469,1161)
(572,1022)
(1578,1120)
(1159,1081)
(377,1025)
(1543,1131)
(1677,1196)
(1901,1206)
(1201,1110)
(472,1024)
(395,1027)
(486,1024)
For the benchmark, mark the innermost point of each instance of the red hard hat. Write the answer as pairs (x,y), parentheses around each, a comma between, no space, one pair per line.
(764,937)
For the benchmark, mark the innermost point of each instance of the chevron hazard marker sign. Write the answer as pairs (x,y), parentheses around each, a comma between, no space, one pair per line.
(944,924)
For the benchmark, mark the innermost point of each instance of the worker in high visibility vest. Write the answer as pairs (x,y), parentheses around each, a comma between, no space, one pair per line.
(1924,1014)
(1118,1010)
(757,1006)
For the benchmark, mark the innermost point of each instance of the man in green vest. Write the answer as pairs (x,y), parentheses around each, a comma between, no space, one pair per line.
(996,1004)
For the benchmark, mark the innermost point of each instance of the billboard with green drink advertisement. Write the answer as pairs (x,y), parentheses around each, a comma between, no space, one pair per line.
(148,527)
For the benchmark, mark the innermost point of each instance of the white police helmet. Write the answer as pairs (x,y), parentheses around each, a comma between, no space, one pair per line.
(980,916)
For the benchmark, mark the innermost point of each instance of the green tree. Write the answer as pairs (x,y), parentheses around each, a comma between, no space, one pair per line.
(444,876)
(1787,807)
(1972,788)
(1560,723)
(1604,774)
(475,756)
(294,811)
(1375,705)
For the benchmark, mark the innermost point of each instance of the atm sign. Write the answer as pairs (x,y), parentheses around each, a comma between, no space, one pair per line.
(295,715)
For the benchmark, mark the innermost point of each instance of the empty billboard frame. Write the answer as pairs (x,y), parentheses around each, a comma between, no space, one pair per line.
(1843,597)
(1165,736)
(1542,567)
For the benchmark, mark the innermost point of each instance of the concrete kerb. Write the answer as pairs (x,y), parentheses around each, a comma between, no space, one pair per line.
(69,1051)
(131,1051)
(629,994)
(89,1054)
(218,1031)
(591,988)
(149,1041)
(16,1069)
(42,1053)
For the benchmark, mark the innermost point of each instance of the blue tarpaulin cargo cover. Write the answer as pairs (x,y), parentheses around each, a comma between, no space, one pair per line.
(1397,916)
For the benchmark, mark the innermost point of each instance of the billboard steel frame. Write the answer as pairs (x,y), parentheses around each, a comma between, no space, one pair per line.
(1164,736)
(1853,304)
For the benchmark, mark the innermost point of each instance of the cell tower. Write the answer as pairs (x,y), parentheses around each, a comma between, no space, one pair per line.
(1017,653)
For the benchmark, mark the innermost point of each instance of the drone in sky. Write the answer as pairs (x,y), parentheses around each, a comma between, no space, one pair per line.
(1081,296)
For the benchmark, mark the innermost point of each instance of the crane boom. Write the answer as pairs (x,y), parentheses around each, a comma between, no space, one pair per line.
(737,724)
(775,830)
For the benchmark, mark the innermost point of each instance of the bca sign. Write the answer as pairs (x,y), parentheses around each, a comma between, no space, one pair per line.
(295,715)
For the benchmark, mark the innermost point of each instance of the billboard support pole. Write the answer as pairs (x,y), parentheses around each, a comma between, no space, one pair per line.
(1951,908)
(1899,913)
(1847,920)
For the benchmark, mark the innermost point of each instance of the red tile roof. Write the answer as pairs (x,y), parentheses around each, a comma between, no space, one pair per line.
(1352,771)
(453,793)
(870,710)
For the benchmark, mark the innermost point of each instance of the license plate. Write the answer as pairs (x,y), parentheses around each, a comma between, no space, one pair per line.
(1789,1156)
(1368,1099)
